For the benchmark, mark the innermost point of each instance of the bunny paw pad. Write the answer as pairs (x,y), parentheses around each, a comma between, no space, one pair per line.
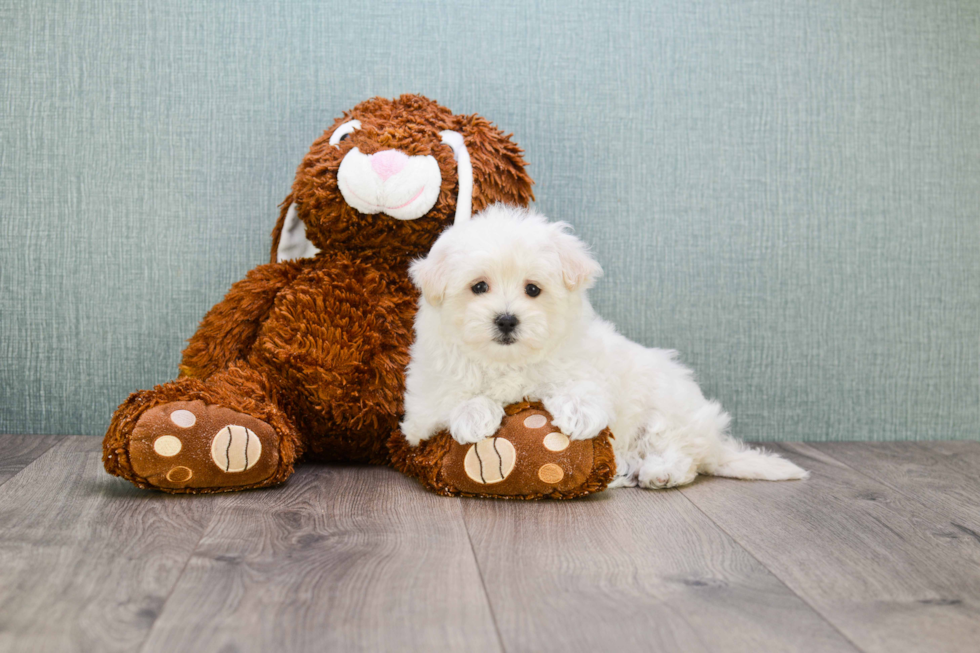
(189,444)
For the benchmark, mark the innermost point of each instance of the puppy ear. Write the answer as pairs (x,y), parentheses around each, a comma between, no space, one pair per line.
(578,269)
(431,275)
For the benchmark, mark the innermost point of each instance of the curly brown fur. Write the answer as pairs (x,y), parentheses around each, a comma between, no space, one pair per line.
(231,327)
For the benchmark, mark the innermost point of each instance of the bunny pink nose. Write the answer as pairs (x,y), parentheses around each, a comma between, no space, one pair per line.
(388,162)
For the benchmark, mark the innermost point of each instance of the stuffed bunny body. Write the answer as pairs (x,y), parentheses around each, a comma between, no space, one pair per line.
(308,356)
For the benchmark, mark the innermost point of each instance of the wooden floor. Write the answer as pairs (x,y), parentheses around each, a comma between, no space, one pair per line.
(878,551)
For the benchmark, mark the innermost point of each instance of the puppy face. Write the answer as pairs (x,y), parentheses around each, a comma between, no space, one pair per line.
(507,285)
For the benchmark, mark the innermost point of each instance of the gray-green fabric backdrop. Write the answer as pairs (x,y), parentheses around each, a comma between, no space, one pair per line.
(787,191)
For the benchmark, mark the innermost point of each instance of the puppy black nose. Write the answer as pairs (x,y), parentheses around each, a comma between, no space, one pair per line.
(506,323)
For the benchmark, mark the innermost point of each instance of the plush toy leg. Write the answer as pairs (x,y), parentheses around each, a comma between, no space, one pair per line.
(527,458)
(222,434)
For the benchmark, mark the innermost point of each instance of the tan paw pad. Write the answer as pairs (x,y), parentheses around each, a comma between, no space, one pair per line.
(190,444)
(235,449)
(167,446)
(180,474)
(551,473)
(556,441)
(490,461)
(535,421)
(183,418)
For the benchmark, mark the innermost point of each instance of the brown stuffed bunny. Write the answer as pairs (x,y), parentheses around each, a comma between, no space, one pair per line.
(307,357)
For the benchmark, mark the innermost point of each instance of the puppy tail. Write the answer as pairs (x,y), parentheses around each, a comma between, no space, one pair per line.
(737,460)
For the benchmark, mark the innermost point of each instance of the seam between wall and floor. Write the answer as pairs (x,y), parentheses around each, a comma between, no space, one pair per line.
(939,512)
(58,439)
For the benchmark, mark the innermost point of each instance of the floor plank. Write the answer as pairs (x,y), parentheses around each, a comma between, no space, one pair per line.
(19,451)
(87,560)
(889,572)
(964,454)
(880,548)
(928,472)
(341,558)
(632,570)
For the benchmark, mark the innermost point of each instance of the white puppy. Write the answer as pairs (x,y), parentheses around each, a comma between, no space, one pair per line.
(504,316)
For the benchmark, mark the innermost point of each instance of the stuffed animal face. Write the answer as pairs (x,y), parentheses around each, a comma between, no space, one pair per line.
(390,175)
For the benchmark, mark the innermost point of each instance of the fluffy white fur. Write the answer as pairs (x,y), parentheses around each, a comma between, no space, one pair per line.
(464,369)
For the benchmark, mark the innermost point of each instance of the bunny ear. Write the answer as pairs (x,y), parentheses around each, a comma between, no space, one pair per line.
(464,173)
(289,236)
(578,269)
(496,162)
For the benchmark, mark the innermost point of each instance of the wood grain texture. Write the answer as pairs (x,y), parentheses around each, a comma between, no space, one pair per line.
(87,560)
(342,559)
(940,475)
(632,570)
(879,554)
(19,451)
(889,572)
(962,453)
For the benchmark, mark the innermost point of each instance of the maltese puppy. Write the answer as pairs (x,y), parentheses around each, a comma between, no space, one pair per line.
(504,316)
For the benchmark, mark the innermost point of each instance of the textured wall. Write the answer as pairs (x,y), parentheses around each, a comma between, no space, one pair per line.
(786,191)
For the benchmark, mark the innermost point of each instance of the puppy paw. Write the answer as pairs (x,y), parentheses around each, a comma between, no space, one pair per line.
(578,418)
(475,419)
(415,431)
(657,473)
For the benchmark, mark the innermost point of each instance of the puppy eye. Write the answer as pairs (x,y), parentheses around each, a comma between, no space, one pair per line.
(480,288)
(532,290)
